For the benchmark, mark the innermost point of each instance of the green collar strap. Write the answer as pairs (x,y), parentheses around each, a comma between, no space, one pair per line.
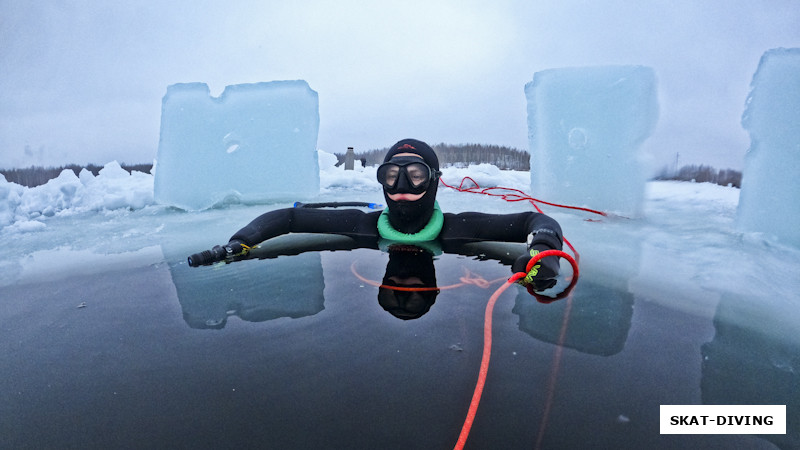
(429,233)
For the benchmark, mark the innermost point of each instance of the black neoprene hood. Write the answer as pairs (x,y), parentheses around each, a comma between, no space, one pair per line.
(417,147)
(412,216)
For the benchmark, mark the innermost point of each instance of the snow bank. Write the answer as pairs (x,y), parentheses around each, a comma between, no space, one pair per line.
(23,209)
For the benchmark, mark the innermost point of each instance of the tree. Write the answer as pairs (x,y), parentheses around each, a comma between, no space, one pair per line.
(505,158)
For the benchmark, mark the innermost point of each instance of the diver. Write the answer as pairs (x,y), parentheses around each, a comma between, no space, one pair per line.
(410,177)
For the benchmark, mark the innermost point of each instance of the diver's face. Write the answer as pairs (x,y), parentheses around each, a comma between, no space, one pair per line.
(403,196)
(404,304)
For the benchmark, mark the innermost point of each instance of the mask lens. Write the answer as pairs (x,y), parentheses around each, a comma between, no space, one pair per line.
(388,176)
(405,176)
(418,174)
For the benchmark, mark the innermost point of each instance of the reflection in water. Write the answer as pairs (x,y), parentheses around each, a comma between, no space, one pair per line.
(293,285)
(409,285)
(254,291)
(599,319)
(127,362)
(754,359)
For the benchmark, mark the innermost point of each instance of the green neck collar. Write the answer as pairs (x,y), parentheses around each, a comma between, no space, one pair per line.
(429,233)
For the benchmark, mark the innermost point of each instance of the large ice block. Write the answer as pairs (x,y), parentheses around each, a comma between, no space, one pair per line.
(769,201)
(254,143)
(585,129)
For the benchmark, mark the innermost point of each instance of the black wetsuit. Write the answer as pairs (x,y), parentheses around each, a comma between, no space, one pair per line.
(539,231)
(362,226)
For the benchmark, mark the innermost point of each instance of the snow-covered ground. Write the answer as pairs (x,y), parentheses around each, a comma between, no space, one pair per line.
(685,251)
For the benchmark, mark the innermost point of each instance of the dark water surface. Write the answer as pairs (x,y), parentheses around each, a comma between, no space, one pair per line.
(296,352)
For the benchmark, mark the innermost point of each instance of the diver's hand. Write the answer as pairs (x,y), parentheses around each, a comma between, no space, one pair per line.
(542,275)
(229,252)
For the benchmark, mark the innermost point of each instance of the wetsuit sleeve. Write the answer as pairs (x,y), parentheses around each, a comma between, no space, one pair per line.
(532,228)
(347,222)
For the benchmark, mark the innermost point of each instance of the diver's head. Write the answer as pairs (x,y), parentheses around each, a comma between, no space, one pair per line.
(410,177)
(409,285)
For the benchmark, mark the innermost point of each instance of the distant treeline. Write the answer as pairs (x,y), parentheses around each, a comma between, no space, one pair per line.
(702,174)
(449,155)
(37,176)
(505,158)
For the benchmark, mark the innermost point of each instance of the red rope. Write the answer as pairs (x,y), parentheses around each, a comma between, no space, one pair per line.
(484,369)
(471,278)
(575,272)
(468,278)
(487,341)
(514,195)
(510,195)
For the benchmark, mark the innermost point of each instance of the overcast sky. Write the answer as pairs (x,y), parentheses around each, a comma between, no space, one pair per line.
(82,81)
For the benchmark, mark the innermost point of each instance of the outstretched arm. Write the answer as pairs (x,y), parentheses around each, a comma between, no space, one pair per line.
(347,222)
(531,228)
(357,228)
(538,231)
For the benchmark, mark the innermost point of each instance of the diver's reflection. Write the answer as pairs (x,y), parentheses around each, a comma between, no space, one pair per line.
(409,285)
(284,278)
(293,286)
(254,291)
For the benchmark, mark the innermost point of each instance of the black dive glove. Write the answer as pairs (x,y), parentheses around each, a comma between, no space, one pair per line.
(542,275)
(228,252)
